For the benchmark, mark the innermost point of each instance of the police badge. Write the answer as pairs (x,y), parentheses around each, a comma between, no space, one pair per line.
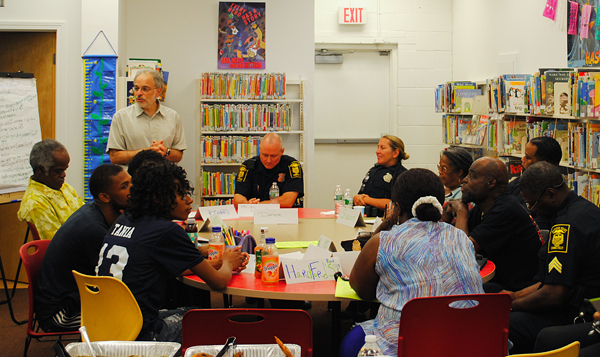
(387,177)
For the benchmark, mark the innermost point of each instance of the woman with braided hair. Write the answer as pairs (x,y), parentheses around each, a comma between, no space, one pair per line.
(419,256)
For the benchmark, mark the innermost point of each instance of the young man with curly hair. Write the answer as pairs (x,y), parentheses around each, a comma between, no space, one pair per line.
(145,249)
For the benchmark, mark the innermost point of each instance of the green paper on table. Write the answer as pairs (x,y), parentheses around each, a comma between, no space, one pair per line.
(295,244)
(343,290)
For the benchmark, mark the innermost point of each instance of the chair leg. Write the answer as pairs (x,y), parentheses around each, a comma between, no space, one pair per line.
(8,298)
(14,288)
(227,301)
(27,343)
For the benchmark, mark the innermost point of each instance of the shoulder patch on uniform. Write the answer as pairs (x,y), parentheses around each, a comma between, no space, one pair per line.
(295,171)
(242,174)
(387,177)
(555,264)
(559,238)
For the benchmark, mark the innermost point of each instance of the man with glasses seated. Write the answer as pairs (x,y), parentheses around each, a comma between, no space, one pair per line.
(147,124)
(569,260)
(499,227)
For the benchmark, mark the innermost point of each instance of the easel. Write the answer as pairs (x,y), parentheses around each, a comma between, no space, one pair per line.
(6,290)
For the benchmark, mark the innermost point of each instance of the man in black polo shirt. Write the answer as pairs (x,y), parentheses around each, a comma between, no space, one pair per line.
(499,227)
(75,246)
(258,174)
(569,269)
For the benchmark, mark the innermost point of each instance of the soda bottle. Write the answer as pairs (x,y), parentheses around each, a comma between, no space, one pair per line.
(258,252)
(370,348)
(348,199)
(270,263)
(338,199)
(274,191)
(216,244)
(191,229)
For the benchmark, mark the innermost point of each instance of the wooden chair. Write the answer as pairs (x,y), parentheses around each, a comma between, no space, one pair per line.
(249,326)
(35,236)
(435,326)
(570,350)
(108,309)
(32,262)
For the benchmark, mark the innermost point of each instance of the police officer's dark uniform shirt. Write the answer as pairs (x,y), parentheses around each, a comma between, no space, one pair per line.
(510,239)
(571,257)
(254,180)
(378,183)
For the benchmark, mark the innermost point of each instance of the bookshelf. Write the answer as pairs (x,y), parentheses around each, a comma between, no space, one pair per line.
(502,128)
(229,131)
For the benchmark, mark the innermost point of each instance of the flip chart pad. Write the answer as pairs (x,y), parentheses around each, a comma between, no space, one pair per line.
(19,131)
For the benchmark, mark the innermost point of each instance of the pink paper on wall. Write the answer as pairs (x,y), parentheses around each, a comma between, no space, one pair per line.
(586,11)
(573,10)
(550,9)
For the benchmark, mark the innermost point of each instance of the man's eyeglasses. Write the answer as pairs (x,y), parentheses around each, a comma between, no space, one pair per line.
(530,206)
(142,89)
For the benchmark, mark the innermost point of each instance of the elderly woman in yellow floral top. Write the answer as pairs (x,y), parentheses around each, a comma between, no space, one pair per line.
(48,200)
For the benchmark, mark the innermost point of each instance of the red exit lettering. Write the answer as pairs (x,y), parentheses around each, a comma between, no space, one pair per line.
(353,15)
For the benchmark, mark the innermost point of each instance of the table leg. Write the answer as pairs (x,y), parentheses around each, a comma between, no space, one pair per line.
(336,327)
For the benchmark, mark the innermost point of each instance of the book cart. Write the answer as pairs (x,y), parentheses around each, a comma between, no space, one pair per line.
(498,116)
(234,111)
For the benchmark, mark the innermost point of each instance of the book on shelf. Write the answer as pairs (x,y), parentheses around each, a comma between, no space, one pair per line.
(515,136)
(465,100)
(516,92)
(594,146)
(136,64)
(249,86)
(216,149)
(558,91)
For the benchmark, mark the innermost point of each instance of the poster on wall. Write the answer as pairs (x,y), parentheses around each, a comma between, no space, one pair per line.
(583,44)
(241,35)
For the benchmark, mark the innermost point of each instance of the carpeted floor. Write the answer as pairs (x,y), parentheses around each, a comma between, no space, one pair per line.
(12,337)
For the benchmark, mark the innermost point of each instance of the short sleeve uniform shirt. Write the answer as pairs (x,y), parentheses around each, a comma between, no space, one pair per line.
(254,180)
(509,237)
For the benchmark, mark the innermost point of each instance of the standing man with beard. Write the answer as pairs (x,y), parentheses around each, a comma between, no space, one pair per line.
(499,227)
(76,246)
(147,124)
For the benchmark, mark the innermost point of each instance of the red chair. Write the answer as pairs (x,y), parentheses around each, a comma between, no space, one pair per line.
(249,326)
(32,262)
(430,326)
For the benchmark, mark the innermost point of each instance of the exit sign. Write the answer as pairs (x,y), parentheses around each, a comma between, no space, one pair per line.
(352,15)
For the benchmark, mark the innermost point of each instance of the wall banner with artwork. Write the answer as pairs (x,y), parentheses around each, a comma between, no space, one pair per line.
(583,36)
(242,35)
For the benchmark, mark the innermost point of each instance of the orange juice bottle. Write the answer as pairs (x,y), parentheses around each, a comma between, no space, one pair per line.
(258,251)
(216,245)
(270,263)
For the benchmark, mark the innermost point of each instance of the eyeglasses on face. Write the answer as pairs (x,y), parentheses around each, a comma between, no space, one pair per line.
(530,206)
(143,89)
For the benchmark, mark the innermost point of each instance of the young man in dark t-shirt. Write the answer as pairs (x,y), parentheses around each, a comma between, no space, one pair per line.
(499,227)
(145,249)
(75,247)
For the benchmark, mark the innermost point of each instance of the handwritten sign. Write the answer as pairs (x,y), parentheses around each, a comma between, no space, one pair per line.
(224,212)
(247,210)
(326,243)
(19,131)
(276,216)
(304,271)
(314,252)
(351,218)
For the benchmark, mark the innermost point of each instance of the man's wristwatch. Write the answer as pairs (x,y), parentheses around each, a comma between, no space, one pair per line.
(168,152)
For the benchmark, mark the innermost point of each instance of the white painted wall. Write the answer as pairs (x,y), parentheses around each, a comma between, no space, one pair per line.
(64,17)
(423,31)
(486,32)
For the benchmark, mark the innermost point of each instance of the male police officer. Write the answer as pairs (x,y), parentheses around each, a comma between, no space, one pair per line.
(257,176)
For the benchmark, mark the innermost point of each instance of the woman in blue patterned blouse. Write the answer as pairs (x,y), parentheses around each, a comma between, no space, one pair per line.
(420,256)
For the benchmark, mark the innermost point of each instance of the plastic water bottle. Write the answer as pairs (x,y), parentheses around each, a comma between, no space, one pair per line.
(191,228)
(370,348)
(270,263)
(348,199)
(274,191)
(216,245)
(258,252)
(338,199)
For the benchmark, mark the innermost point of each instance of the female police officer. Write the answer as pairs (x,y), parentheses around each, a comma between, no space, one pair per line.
(376,189)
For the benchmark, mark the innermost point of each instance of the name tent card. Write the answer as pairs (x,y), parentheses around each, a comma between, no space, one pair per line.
(326,243)
(224,212)
(351,217)
(247,210)
(276,216)
(306,270)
